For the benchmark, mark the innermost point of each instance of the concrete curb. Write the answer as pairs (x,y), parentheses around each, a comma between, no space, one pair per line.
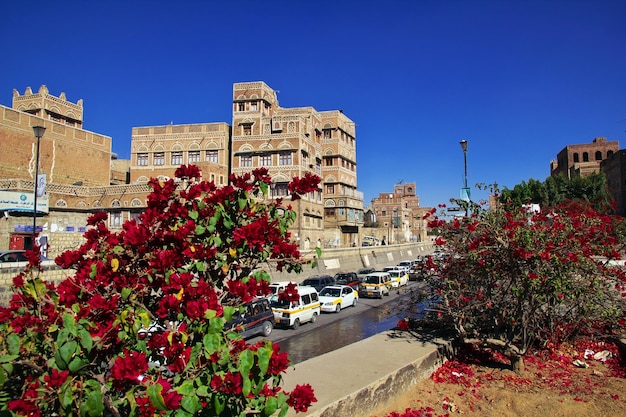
(358,378)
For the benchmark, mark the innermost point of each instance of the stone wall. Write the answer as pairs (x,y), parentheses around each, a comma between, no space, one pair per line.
(331,262)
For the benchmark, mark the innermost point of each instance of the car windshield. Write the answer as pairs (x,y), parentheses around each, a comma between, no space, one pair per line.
(280,303)
(330,292)
(342,277)
(371,279)
(311,282)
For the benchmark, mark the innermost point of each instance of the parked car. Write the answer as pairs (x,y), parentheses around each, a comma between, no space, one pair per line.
(334,297)
(292,314)
(258,318)
(375,284)
(277,287)
(318,281)
(399,278)
(350,279)
(361,273)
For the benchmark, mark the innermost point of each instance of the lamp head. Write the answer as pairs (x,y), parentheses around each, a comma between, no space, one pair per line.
(39,131)
(463,145)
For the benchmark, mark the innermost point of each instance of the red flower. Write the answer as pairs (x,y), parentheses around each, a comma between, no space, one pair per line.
(306,184)
(403,324)
(187,172)
(301,398)
(279,361)
(56,378)
(129,367)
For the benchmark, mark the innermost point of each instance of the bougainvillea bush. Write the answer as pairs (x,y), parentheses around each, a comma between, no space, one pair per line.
(138,330)
(513,278)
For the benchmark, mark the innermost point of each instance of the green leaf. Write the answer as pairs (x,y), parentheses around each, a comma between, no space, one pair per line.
(264,354)
(271,405)
(65,395)
(13,343)
(76,364)
(94,271)
(264,188)
(154,393)
(247,385)
(219,404)
(246,361)
(319,252)
(126,292)
(191,404)
(65,354)
(200,230)
(93,406)
(85,339)
(193,214)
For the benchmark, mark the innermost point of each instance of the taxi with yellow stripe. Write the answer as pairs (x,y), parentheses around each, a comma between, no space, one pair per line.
(375,284)
(293,313)
(335,297)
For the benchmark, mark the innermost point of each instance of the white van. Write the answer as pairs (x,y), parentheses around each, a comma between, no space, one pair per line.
(293,314)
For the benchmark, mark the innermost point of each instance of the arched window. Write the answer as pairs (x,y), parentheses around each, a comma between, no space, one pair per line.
(576,159)
(585,157)
(598,156)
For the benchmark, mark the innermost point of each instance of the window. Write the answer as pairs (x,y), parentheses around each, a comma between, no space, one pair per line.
(254,106)
(329,162)
(330,189)
(585,157)
(241,106)
(177,158)
(598,156)
(194,156)
(284,158)
(265,160)
(159,158)
(115,219)
(247,130)
(576,158)
(280,189)
(245,161)
(142,159)
(327,134)
(211,156)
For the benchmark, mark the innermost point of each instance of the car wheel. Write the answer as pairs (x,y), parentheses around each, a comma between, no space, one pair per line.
(354,303)
(267,328)
(295,324)
(337,308)
(314,318)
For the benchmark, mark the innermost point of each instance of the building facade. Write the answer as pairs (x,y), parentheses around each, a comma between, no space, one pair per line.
(582,159)
(614,169)
(291,142)
(156,151)
(400,215)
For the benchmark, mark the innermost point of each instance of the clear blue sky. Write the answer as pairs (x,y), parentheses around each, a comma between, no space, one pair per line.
(519,80)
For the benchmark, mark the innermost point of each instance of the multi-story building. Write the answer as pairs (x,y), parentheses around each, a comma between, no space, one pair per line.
(156,151)
(401,215)
(582,159)
(84,176)
(291,142)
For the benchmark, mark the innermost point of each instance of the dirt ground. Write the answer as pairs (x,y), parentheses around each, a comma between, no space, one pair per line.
(552,387)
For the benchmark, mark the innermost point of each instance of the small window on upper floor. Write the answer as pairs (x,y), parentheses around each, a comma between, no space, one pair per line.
(327,134)
(598,156)
(247,130)
(142,159)
(194,156)
(177,158)
(211,156)
(241,106)
(158,158)
(576,157)
(585,157)
(245,161)
(254,106)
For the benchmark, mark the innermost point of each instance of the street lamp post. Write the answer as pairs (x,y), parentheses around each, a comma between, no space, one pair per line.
(463,144)
(38,131)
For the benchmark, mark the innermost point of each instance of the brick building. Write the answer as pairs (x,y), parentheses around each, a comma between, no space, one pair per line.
(614,169)
(291,142)
(400,214)
(582,159)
